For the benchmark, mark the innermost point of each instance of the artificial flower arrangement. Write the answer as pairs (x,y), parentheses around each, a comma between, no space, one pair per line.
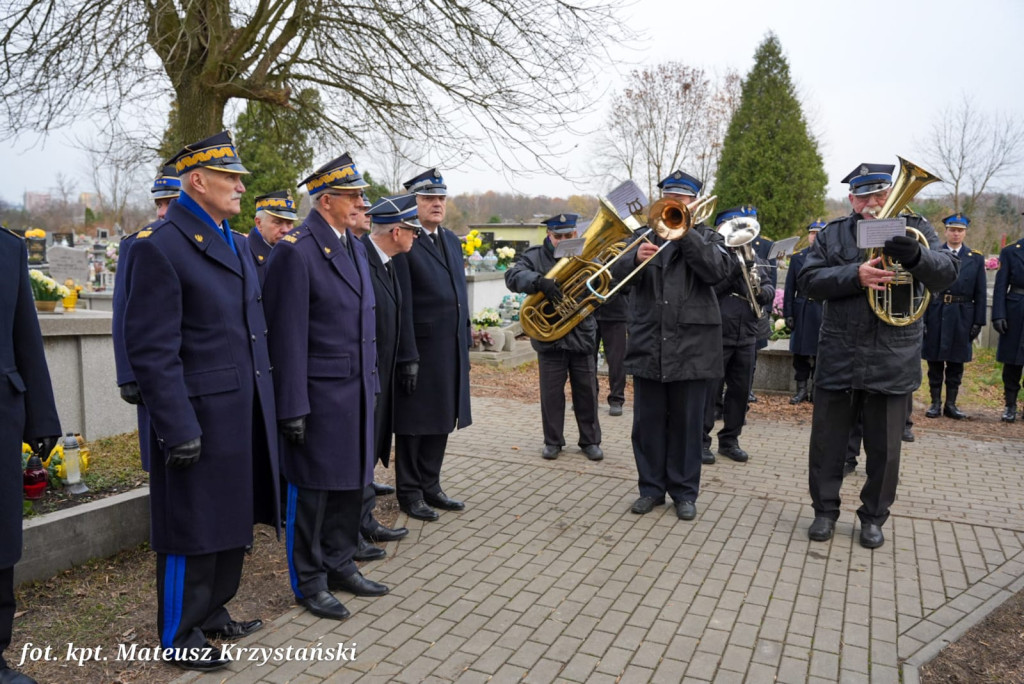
(54,462)
(471,243)
(486,318)
(35,233)
(112,253)
(482,337)
(45,288)
(506,255)
(779,329)
(992,264)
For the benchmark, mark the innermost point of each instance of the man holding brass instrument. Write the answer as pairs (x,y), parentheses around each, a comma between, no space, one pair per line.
(866,365)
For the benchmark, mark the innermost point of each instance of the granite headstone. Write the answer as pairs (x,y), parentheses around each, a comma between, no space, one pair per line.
(67,262)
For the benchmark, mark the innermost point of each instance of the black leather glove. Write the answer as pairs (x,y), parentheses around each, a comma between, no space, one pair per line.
(550,289)
(408,373)
(764,295)
(790,322)
(1000,326)
(904,249)
(293,429)
(130,393)
(975,331)
(44,445)
(184,455)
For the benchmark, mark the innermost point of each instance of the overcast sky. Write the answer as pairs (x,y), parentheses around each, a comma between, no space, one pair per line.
(872,77)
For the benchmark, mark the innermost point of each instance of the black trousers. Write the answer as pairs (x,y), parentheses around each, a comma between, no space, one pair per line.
(323,532)
(367,523)
(418,460)
(191,592)
(739,374)
(6,611)
(951,370)
(668,420)
(857,432)
(613,334)
(835,414)
(803,367)
(1011,378)
(581,370)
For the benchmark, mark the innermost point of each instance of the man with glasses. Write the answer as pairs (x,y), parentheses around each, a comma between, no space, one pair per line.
(574,355)
(320,310)
(432,374)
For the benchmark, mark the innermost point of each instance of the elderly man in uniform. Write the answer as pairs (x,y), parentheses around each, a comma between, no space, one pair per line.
(674,350)
(195,337)
(1008,321)
(803,318)
(30,416)
(363,226)
(432,375)
(573,355)
(865,366)
(953,319)
(320,303)
(275,216)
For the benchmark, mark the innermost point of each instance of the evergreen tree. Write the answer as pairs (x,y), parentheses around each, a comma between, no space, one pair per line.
(769,158)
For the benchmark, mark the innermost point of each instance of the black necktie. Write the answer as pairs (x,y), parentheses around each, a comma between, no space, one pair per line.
(433,238)
(391,272)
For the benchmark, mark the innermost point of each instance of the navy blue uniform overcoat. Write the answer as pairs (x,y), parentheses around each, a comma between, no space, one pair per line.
(26,396)
(320,307)
(952,312)
(806,313)
(1010,305)
(259,250)
(388,297)
(435,332)
(195,337)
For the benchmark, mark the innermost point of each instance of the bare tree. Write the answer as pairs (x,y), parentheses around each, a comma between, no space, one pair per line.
(117,169)
(972,150)
(393,160)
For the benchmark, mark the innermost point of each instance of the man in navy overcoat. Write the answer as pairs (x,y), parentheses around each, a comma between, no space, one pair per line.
(1008,321)
(275,216)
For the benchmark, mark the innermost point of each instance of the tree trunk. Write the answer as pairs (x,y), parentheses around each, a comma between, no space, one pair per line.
(200,112)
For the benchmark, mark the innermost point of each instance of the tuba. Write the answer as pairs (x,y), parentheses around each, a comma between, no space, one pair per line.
(738,233)
(900,303)
(586,281)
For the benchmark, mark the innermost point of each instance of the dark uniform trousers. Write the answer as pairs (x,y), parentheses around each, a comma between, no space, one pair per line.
(613,334)
(6,610)
(322,536)
(418,461)
(192,590)
(668,420)
(1011,379)
(835,416)
(951,370)
(803,367)
(582,371)
(857,432)
(739,374)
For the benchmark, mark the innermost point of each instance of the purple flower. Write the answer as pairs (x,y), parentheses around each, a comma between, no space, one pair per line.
(992,264)
(780,295)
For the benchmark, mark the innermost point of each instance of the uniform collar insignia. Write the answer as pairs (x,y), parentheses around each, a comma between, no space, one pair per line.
(198,237)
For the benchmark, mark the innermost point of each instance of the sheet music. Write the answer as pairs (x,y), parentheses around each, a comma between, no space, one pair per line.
(783,247)
(874,232)
(569,248)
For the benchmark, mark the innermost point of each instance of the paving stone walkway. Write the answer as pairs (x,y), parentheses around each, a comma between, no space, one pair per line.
(547,576)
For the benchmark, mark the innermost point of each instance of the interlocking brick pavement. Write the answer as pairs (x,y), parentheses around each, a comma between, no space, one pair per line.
(547,576)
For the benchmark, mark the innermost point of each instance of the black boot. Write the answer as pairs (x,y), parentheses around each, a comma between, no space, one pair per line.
(935,410)
(1010,414)
(801,392)
(950,410)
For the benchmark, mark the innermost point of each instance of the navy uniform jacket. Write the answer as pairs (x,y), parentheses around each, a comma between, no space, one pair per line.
(806,313)
(320,307)
(435,332)
(740,327)
(259,250)
(26,396)
(1010,305)
(948,321)
(195,337)
(388,296)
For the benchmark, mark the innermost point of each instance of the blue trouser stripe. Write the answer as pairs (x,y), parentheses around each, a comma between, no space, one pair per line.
(293,495)
(174,589)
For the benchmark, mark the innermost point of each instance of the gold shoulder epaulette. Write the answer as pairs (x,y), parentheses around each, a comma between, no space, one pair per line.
(288,237)
(143,234)
(11,232)
(974,251)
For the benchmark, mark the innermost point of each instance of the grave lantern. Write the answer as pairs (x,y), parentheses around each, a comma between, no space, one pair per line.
(73,466)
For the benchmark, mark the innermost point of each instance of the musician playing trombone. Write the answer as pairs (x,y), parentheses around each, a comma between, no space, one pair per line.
(865,364)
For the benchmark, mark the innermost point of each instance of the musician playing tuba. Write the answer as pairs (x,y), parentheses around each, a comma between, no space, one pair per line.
(865,365)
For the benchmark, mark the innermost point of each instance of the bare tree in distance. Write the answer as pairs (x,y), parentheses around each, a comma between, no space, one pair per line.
(393,160)
(510,71)
(972,150)
(118,172)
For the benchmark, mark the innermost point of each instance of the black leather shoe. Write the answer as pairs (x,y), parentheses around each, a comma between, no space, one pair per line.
(9,676)
(381,534)
(615,410)
(381,489)
(751,399)
(234,630)
(871,536)
(367,551)
(441,500)
(686,510)
(206,658)
(420,511)
(646,504)
(908,435)
(849,468)
(593,452)
(734,452)
(355,584)
(934,411)
(550,452)
(706,457)
(1009,414)
(951,411)
(324,605)
(821,529)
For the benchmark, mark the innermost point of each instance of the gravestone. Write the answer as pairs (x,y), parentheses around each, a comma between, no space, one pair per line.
(65,239)
(67,262)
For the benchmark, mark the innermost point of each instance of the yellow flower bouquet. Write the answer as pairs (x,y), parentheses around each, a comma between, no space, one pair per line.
(471,243)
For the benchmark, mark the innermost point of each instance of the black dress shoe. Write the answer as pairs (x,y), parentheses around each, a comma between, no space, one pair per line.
(686,510)
(821,529)
(751,399)
(9,676)
(383,534)
(355,584)
(871,536)
(420,511)
(381,489)
(367,551)
(593,452)
(234,630)
(550,452)
(441,500)
(646,504)
(934,411)
(1009,413)
(908,435)
(951,411)
(615,410)
(206,658)
(849,468)
(706,457)
(323,604)
(734,452)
